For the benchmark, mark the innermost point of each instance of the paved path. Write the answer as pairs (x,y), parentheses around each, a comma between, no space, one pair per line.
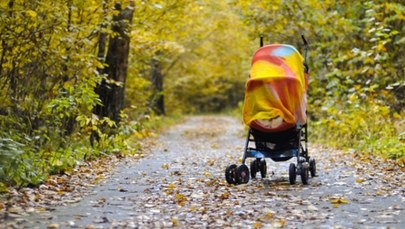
(181,183)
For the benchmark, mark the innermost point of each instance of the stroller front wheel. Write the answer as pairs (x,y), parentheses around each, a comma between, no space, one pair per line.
(242,174)
(230,174)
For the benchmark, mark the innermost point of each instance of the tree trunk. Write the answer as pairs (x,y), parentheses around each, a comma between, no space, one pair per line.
(157,86)
(112,90)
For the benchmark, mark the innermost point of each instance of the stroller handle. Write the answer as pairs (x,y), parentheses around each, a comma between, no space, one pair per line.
(261,40)
(305,41)
(305,53)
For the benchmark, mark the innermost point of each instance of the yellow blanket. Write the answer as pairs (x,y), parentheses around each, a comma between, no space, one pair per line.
(276,89)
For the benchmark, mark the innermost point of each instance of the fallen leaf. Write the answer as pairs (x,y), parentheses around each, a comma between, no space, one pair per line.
(165,166)
(337,201)
(258,225)
(224,195)
(211,162)
(170,189)
(177,173)
(175,222)
(208,174)
(267,217)
(279,224)
(53,226)
(181,199)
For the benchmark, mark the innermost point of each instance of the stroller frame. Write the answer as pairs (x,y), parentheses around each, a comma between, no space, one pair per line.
(275,147)
(279,154)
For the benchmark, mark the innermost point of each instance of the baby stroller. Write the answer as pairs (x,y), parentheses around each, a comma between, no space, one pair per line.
(275,111)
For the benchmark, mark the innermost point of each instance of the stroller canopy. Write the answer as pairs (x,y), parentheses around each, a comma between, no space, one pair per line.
(276,88)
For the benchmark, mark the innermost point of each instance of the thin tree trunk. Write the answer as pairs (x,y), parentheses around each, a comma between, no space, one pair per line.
(157,86)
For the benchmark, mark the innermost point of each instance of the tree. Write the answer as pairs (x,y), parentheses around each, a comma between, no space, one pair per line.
(47,76)
(157,99)
(112,88)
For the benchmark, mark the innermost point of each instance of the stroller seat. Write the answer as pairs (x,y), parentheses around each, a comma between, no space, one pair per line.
(275,141)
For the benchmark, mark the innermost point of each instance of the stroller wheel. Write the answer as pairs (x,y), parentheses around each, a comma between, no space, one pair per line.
(253,168)
(292,173)
(230,174)
(305,172)
(263,168)
(242,174)
(312,167)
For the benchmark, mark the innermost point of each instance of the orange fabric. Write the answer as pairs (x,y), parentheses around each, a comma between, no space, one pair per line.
(276,87)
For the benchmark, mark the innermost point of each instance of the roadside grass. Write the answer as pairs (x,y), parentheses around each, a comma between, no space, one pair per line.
(28,164)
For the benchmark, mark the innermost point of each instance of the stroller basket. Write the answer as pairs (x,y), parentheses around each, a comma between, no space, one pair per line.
(283,140)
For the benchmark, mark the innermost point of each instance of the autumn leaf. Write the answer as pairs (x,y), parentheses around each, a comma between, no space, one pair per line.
(208,174)
(180,199)
(175,222)
(281,223)
(224,195)
(257,225)
(338,201)
(267,217)
(53,226)
(165,166)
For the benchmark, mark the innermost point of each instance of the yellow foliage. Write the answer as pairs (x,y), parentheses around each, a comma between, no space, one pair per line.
(31,13)
(180,199)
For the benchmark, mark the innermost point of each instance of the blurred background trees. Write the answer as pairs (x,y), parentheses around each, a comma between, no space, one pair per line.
(58,74)
(357,83)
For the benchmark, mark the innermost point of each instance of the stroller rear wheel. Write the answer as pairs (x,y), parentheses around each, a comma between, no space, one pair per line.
(230,174)
(305,172)
(258,165)
(263,168)
(292,172)
(312,167)
(254,167)
(242,174)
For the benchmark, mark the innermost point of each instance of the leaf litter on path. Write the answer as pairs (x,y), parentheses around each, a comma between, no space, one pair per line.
(182,184)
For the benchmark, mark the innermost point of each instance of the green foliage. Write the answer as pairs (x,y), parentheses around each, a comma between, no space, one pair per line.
(356,59)
(48,72)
